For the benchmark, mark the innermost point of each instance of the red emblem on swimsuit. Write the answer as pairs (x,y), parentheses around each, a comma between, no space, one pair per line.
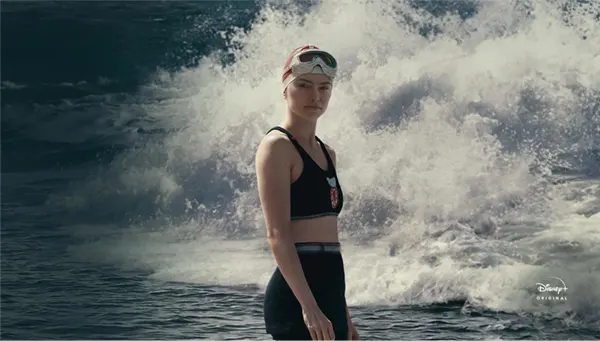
(333,192)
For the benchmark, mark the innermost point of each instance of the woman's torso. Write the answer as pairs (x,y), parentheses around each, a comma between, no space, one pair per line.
(322,229)
(311,229)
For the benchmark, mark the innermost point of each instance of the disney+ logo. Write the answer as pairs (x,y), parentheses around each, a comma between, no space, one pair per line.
(552,292)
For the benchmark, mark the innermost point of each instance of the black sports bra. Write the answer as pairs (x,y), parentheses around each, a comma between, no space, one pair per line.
(317,192)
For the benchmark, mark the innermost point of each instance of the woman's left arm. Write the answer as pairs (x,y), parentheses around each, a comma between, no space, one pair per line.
(352,332)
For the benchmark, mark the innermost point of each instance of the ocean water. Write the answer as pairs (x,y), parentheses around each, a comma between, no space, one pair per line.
(468,142)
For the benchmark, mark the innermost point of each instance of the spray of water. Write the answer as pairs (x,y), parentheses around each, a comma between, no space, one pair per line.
(448,130)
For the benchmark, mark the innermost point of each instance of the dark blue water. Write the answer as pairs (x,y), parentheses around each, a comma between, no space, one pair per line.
(78,80)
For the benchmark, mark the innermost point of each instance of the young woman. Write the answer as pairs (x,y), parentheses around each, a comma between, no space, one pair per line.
(301,198)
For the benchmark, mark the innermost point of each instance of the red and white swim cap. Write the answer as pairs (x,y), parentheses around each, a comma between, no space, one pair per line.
(308,59)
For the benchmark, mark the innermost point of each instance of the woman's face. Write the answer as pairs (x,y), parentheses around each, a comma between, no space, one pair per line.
(308,95)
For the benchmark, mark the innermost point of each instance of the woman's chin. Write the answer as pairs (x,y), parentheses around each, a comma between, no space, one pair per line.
(313,111)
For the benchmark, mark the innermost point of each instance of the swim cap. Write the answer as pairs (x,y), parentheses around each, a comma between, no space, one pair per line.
(308,59)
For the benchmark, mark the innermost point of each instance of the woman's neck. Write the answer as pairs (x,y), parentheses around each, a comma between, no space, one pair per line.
(303,130)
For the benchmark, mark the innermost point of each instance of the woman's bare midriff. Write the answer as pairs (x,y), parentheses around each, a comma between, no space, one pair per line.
(321,229)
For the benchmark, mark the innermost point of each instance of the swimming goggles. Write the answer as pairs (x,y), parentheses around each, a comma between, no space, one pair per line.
(307,59)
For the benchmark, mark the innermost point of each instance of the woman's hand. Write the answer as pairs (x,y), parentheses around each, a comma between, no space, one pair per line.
(318,324)
(352,332)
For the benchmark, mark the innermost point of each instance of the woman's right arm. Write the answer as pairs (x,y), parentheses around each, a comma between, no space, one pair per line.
(273,172)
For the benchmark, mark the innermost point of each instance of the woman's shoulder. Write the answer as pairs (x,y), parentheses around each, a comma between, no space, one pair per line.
(331,152)
(273,147)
